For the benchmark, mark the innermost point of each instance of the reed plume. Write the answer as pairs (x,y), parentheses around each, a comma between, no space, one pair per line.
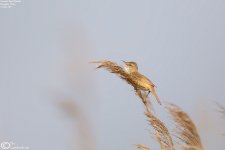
(186,131)
(142,147)
(161,132)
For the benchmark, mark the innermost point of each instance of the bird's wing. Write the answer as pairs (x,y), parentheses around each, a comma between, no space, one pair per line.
(113,68)
(143,79)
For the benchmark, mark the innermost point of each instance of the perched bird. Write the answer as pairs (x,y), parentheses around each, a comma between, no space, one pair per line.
(141,82)
(131,75)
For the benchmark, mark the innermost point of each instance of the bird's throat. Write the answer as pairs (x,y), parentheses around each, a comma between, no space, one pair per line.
(130,69)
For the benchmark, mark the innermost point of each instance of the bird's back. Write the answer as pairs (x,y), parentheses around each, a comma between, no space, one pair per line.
(141,81)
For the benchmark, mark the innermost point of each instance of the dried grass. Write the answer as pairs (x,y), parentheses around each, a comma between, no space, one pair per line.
(190,148)
(161,132)
(142,147)
(186,131)
(114,68)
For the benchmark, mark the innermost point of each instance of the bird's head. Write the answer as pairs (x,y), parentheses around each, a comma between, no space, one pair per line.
(131,66)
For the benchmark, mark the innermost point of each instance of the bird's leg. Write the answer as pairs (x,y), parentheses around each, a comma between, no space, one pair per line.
(138,92)
(148,93)
(146,96)
(143,98)
(148,100)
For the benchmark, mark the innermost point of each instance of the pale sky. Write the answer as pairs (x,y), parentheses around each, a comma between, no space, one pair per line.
(45,47)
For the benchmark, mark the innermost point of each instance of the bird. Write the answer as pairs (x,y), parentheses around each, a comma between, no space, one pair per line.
(131,75)
(141,81)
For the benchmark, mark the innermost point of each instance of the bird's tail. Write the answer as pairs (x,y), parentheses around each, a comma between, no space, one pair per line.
(156,96)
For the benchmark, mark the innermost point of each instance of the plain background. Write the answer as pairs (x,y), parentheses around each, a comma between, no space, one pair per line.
(45,47)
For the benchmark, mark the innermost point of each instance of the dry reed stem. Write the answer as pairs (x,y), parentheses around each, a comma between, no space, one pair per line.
(142,147)
(186,130)
(161,132)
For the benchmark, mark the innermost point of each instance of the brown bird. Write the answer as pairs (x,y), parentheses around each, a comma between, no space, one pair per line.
(131,75)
